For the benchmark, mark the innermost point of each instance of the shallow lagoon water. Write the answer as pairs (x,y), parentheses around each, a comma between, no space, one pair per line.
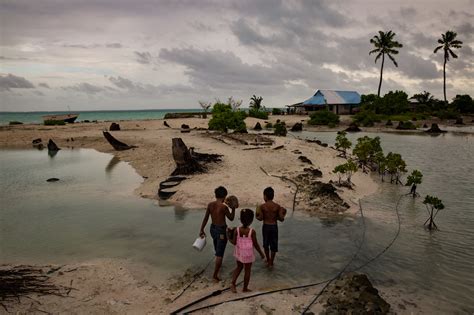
(92,213)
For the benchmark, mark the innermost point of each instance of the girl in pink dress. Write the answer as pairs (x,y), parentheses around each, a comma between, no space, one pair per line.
(245,240)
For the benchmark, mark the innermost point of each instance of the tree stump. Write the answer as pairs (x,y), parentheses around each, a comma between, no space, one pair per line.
(185,162)
(435,129)
(297,127)
(114,127)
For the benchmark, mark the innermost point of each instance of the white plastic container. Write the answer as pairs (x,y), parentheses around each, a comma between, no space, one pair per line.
(200,243)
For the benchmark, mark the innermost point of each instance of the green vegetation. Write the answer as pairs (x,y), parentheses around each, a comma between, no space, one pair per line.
(463,103)
(14,122)
(260,114)
(269,125)
(366,118)
(384,45)
(395,166)
(414,179)
(406,125)
(347,169)
(54,122)
(280,129)
(224,118)
(448,41)
(323,117)
(277,111)
(432,204)
(342,143)
(367,150)
(256,109)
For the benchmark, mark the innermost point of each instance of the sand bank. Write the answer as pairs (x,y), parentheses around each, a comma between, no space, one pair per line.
(240,170)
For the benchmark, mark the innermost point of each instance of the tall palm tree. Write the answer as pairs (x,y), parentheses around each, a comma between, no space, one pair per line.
(448,40)
(384,45)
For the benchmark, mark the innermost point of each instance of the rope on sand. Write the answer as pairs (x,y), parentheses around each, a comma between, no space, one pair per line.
(195,277)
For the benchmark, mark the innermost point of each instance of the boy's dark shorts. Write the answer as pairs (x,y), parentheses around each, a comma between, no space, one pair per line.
(219,237)
(270,237)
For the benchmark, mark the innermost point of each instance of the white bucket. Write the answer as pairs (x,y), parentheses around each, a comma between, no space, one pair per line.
(199,243)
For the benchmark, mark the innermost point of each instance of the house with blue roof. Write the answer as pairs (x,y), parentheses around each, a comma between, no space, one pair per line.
(339,102)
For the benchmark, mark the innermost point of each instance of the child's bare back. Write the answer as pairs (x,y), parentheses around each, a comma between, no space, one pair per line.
(218,212)
(271,212)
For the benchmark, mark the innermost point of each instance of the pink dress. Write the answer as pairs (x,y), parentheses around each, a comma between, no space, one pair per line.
(243,250)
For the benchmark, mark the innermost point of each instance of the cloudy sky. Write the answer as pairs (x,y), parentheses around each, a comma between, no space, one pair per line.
(121,54)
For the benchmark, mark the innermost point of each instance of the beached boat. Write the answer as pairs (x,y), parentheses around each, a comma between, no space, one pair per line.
(69,118)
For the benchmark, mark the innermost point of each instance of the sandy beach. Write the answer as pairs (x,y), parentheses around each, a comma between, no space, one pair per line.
(115,286)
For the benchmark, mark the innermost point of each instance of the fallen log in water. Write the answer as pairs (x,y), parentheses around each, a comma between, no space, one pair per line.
(116,144)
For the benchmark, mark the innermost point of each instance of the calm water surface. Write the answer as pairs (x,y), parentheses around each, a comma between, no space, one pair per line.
(92,213)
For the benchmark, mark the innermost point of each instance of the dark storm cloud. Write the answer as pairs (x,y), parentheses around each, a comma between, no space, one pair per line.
(143,57)
(137,88)
(415,67)
(85,87)
(219,69)
(44,85)
(10,81)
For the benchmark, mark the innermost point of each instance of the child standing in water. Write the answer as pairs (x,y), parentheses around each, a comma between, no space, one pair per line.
(245,240)
(218,212)
(270,212)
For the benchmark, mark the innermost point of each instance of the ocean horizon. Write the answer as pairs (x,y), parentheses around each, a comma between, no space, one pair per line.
(35,117)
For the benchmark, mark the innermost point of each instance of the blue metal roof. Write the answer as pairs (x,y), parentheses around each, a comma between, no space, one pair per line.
(328,97)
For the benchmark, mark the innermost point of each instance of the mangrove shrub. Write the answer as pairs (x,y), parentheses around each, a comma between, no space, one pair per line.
(366,150)
(413,180)
(342,143)
(432,204)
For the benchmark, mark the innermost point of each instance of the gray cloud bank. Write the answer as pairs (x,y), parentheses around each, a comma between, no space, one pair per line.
(181,51)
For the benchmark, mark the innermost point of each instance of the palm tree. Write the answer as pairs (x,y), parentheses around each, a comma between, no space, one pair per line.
(256,102)
(384,45)
(447,41)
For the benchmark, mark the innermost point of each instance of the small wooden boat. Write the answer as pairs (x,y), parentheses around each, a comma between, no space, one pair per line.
(69,118)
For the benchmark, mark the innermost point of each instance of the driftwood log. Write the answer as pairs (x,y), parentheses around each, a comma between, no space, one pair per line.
(116,144)
(52,146)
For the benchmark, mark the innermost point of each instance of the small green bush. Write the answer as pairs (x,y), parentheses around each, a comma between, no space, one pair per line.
(256,113)
(447,114)
(406,125)
(366,118)
(14,122)
(269,125)
(223,118)
(54,122)
(323,117)
(277,111)
(280,129)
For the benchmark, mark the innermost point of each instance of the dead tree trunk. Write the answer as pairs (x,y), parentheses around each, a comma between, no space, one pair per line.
(185,162)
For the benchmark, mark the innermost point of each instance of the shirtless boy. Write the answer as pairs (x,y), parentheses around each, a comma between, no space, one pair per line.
(218,212)
(270,212)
